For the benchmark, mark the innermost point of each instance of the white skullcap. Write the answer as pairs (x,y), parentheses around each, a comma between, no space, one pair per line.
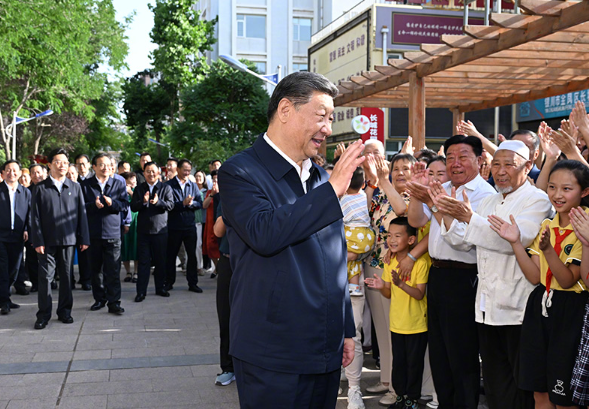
(515,146)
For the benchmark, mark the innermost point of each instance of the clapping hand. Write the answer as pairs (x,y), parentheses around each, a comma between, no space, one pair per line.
(408,146)
(98,203)
(146,197)
(154,200)
(107,200)
(375,282)
(187,200)
(506,231)
(460,210)
(580,223)
(550,148)
(419,173)
(395,278)
(545,239)
(341,148)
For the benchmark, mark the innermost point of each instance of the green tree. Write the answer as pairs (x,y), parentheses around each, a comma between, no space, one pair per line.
(223,114)
(182,38)
(50,54)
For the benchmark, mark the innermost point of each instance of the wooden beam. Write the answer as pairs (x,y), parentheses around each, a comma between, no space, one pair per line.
(386,70)
(372,75)
(361,80)
(568,38)
(513,20)
(545,8)
(417,110)
(457,116)
(552,46)
(401,64)
(458,41)
(484,32)
(435,49)
(529,96)
(417,57)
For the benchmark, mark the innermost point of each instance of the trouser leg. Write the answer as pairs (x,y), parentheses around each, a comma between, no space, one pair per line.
(46,274)
(224,311)
(158,247)
(173,246)
(85,265)
(97,263)
(4,275)
(191,264)
(144,258)
(199,246)
(354,370)
(112,270)
(64,260)
(32,264)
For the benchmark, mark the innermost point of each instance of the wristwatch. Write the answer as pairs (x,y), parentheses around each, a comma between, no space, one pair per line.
(434,209)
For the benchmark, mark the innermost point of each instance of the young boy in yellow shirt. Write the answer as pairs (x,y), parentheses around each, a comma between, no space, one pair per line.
(408,314)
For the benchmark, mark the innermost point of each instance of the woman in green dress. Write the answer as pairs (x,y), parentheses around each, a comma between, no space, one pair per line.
(129,247)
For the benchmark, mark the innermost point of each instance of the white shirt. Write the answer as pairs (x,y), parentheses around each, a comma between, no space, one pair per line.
(58,184)
(503,290)
(450,245)
(304,173)
(102,185)
(182,184)
(11,194)
(150,191)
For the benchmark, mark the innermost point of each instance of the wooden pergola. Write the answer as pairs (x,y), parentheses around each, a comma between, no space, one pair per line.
(541,53)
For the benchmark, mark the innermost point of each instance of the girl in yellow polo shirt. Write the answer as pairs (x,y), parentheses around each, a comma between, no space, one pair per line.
(553,319)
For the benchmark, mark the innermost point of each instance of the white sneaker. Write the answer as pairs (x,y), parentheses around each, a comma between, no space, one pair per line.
(355,398)
(432,405)
(388,399)
(357,292)
(378,388)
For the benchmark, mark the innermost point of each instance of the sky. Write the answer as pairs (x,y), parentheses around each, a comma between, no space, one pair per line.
(138,34)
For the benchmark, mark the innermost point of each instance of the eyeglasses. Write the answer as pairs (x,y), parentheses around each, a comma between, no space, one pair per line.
(61,162)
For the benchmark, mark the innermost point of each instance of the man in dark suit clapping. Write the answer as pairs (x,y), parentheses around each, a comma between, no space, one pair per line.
(58,223)
(15,202)
(152,200)
(105,199)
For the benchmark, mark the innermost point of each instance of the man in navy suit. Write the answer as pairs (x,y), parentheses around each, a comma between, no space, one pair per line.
(106,199)
(15,203)
(291,324)
(58,223)
(152,200)
(182,225)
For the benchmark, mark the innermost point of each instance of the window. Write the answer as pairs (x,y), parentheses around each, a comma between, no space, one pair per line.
(302,29)
(251,26)
(260,67)
(300,67)
(396,56)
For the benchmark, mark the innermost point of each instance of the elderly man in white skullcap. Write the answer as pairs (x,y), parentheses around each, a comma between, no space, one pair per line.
(502,290)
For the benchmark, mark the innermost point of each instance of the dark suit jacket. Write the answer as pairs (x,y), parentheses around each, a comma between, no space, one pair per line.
(140,177)
(126,216)
(152,219)
(290,306)
(182,217)
(90,174)
(58,219)
(22,207)
(105,223)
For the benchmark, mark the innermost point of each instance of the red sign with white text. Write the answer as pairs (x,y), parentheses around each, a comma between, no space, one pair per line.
(376,117)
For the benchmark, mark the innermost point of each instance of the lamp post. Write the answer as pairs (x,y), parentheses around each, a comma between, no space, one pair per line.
(11,129)
(272,79)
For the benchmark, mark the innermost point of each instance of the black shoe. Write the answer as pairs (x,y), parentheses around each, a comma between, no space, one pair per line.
(21,291)
(194,289)
(116,309)
(128,278)
(34,289)
(54,285)
(86,287)
(97,305)
(41,323)
(162,293)
(134,279)
(66,320)
(4,309)
(139,297)
(13,306)
(213,275)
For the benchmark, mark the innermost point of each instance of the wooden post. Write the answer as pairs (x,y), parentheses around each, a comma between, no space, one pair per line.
(457,116)
(417,110)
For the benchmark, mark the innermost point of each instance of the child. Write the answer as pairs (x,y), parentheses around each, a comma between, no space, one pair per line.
(359,235)
(552,324)
(408,313)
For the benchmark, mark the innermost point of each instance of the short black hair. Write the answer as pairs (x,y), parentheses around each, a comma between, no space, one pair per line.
(403,221)
(438,158)
(474,142)
(357,179)
(144,154)
(55,152)
(98,156)
(34,165)
(425,155)
(172,159)
(214,160)
(214,172)
(298,88)
(181,162)
(402,156)
(80,156)
(8,162)
(128,175)
(122,163)
(527,132)
(152,163)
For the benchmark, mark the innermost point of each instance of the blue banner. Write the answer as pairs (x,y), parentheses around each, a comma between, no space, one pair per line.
(551,107)
(272,77)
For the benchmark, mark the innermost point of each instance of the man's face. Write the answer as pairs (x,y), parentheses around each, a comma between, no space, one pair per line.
(11,173)
(102,167)
(37,174)
(216,165)
(527,139)
(372,149)
(125,167)
(311,124)
(172,167)
(143,160)
(72,173)
(509,170)
(113,166)
(462,165)
(59,166)
(151,174)
(185,171)
(83,165)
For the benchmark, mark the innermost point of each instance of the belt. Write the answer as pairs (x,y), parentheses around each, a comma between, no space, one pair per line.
(452,264)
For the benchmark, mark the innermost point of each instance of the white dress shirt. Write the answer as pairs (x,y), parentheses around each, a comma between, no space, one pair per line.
(450,245)
(503,289)
(58,184)
(303,173)
(11,194)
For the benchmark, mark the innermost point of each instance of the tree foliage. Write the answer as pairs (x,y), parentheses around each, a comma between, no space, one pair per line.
(222,114)
(50,54)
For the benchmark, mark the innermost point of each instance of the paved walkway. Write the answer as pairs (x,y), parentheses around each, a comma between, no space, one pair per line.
(162,353)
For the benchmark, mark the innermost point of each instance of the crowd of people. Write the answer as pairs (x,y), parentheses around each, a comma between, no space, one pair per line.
(102,215)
